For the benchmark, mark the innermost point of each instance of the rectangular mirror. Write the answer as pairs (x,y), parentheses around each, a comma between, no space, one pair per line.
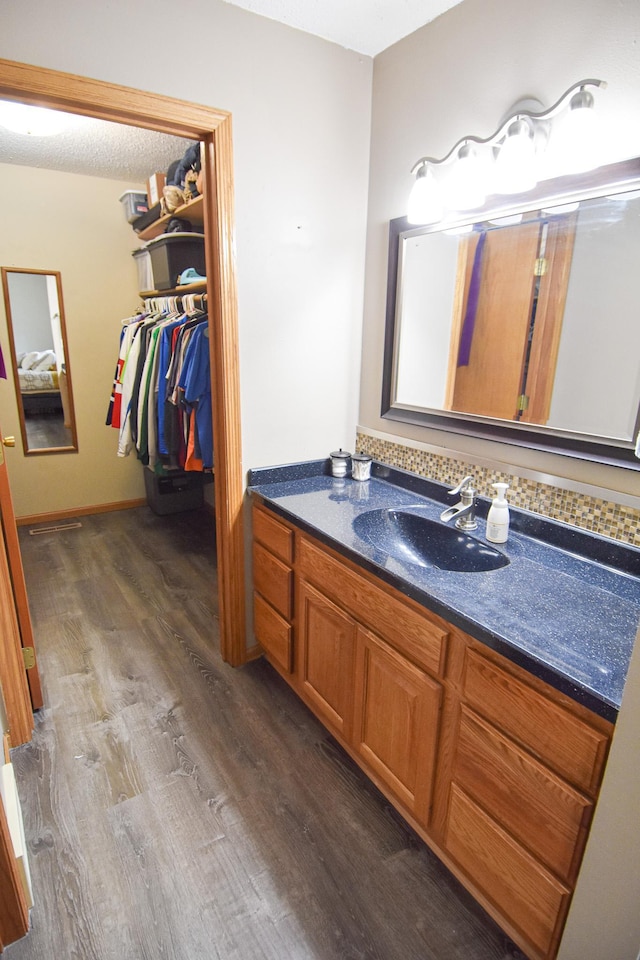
(520,323)
(40,359)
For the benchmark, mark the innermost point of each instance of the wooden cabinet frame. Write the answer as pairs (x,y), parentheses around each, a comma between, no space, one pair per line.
(496,771)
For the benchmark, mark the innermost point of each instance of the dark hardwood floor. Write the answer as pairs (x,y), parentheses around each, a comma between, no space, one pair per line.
(47,430)
(177,808)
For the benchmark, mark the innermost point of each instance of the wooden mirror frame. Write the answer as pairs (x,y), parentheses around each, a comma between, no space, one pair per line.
(67,398)
(74,94)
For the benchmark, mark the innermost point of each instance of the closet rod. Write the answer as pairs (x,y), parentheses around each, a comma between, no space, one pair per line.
(189,303)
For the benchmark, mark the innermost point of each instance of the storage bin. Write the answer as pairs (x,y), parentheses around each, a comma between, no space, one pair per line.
(134,204)
(172,253)
(174,492)
(146,219)
(142,258)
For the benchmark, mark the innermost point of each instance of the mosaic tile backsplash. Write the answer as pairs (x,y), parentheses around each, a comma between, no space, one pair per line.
(588,513)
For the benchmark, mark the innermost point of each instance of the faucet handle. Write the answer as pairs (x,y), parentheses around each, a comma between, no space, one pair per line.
(465,485)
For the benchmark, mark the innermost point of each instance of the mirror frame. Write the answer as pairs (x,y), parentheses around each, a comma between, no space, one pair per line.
(39,451)
(610,179)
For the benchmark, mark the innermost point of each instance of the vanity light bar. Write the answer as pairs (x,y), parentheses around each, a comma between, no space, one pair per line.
(506,161)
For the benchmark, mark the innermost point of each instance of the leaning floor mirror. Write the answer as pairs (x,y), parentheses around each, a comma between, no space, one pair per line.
(40,359)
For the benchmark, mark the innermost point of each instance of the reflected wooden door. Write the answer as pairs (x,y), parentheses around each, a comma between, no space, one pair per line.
(510,328)
(489,384)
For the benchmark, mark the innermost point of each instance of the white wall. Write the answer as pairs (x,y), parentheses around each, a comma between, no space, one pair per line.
(429,268)
(597,386)
(460,75)
(301,115)
(30,312)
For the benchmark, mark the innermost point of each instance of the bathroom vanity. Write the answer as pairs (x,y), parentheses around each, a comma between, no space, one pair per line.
(480,703)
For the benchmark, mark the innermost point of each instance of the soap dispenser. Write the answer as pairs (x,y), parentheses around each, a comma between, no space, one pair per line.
(498,518)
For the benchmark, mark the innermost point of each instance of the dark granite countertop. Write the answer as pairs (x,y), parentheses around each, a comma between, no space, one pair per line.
(566,608)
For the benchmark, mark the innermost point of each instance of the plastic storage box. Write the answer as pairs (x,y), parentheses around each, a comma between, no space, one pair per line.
(134,204)
(174,492)
(142,258)
(172,253)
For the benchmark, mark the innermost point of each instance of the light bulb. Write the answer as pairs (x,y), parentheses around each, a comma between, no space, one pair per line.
(515,169)
(508,221)
(561,208)
(32,121)
(468,179)
(574,146)
(424,205)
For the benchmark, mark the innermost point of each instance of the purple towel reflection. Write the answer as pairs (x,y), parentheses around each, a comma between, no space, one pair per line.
(469,322)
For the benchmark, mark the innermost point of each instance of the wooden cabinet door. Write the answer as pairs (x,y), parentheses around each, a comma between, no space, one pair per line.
(397,711)
(325,654)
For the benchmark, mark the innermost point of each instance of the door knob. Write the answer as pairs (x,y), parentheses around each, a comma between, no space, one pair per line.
(9,441)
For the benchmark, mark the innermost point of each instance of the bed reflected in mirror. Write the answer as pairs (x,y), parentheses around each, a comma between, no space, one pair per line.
(40,359)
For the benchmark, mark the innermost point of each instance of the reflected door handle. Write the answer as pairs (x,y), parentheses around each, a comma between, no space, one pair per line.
(9,441)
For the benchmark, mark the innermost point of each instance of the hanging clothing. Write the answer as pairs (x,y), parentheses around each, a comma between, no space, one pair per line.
(161,396)
(195,382)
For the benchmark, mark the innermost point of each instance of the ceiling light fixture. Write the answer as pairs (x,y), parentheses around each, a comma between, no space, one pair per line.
(511,159)
(32,121)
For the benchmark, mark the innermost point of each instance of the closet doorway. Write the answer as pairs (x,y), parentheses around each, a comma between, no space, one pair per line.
(73,94)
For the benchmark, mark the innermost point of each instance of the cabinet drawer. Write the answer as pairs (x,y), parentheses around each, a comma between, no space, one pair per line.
(547,816)
(273,534)
(564,742)
(533,900)
(410,630)
(273,579)
(272,633)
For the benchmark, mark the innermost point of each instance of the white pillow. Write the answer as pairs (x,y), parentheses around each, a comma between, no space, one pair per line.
(30,359)
(47,361)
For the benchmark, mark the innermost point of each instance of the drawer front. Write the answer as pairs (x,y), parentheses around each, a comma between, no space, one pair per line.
(532,900)
(548,817)
(273,633)
(567,744)
(411,631)
(272,534)
(274,580)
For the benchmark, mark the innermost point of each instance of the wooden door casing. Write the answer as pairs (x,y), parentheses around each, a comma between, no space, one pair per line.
(14,559)
(118,104)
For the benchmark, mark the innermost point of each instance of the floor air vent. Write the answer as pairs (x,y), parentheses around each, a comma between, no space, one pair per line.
(56,529)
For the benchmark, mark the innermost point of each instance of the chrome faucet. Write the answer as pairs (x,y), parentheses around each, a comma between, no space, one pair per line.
(464,511)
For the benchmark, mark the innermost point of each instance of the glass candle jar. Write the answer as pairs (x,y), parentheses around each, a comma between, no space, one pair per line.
(361,466)
(339,462)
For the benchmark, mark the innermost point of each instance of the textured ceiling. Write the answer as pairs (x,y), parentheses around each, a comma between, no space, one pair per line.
(95,148)
(366,26)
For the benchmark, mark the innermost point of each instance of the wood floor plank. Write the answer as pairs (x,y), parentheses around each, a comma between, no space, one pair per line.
(175,808)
